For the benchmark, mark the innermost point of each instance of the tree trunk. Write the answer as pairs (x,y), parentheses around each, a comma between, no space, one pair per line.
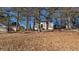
(8,23)
(68,22)
(39,26)
(47,25)
(34,25)
(27,22)
(17,22)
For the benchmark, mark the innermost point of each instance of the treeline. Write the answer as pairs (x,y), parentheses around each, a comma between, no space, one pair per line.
(39,13)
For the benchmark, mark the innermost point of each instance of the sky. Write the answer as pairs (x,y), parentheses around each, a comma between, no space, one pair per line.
(43,14)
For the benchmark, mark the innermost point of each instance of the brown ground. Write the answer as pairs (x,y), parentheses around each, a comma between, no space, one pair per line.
(40,41)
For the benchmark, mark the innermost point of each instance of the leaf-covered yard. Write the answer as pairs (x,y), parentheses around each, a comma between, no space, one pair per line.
(36,41)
